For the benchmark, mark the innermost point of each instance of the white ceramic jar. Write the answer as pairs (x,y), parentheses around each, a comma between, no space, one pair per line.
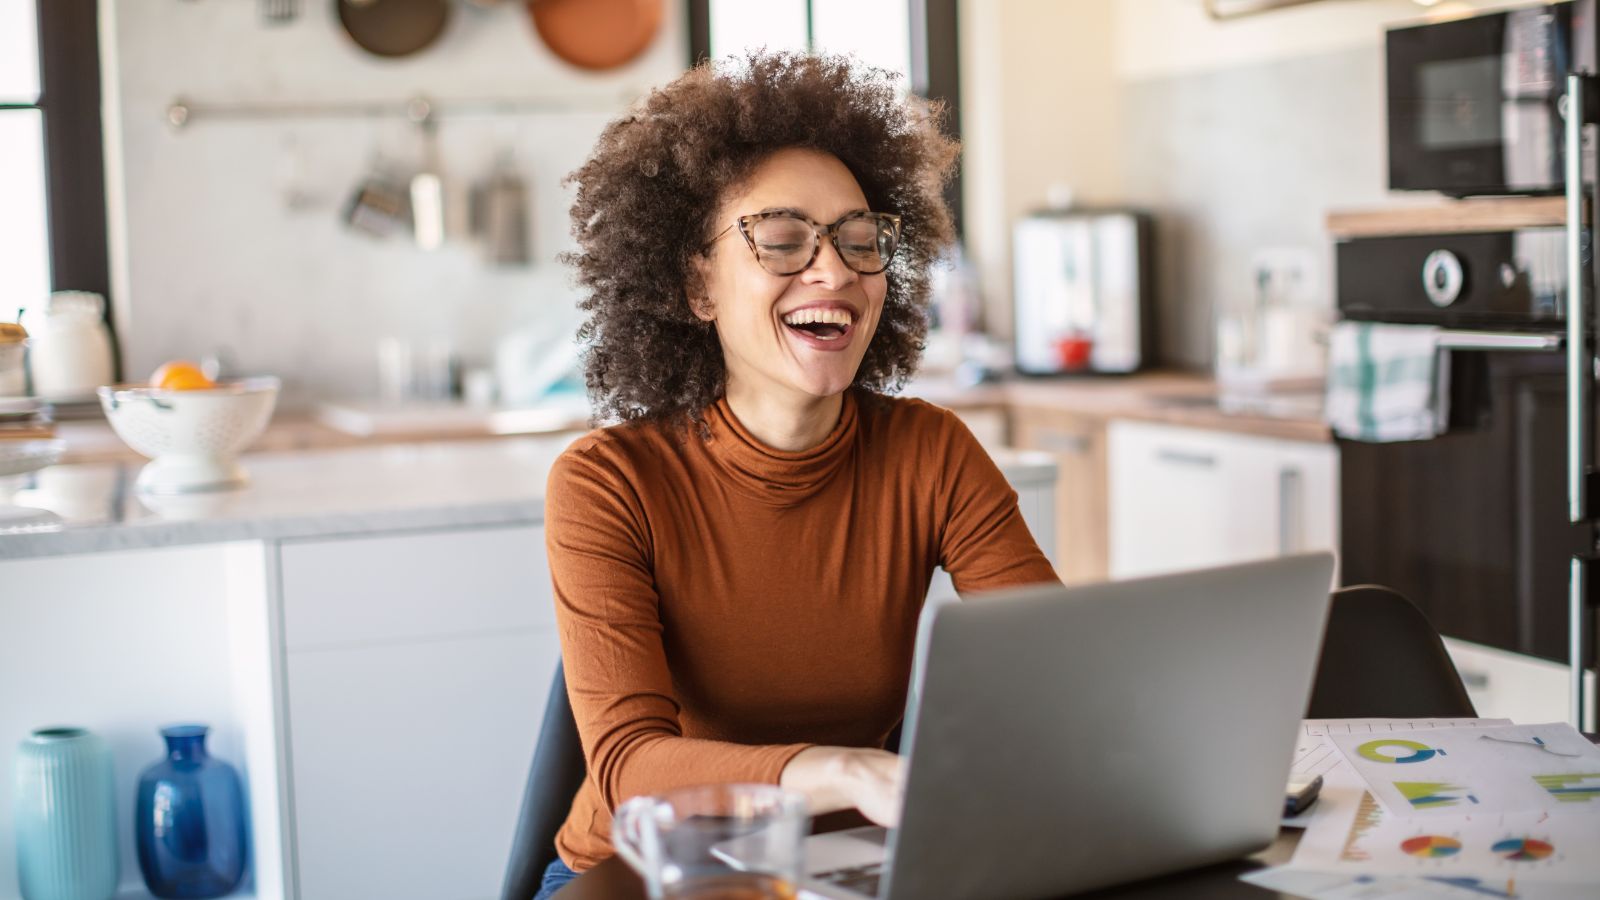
(69,351)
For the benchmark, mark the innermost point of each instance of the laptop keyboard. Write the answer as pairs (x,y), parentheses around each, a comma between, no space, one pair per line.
(861,879)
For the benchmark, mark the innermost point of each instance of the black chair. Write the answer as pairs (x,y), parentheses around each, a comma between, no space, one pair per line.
(1381,658)
(557,773)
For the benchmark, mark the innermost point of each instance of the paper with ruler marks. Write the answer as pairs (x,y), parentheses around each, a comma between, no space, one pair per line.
(1477,769)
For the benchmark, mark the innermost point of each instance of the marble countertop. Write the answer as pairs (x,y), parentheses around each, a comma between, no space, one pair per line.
(1176,398)
(93,507)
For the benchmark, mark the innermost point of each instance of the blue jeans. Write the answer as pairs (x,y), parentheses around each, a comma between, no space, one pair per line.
(556,876)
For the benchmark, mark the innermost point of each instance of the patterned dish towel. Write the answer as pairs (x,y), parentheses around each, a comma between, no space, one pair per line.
(1387,382)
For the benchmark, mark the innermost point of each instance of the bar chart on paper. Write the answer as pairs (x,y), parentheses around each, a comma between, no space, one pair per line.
(1435,794)
(1573,788)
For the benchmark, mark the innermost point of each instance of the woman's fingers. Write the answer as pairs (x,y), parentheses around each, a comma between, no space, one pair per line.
(877,785)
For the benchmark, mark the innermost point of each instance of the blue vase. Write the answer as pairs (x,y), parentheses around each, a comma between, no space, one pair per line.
(66,818)
(189,825)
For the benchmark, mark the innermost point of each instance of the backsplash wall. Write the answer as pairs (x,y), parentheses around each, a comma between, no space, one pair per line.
(1237,160)
(227,236)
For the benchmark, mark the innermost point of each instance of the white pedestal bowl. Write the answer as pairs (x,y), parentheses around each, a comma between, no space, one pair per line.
(193,438)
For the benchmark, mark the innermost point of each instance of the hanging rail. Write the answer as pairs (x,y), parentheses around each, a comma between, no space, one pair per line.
(183,112)
(1499,340)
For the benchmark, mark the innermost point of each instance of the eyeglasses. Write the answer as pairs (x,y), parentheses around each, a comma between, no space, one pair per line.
(787,243)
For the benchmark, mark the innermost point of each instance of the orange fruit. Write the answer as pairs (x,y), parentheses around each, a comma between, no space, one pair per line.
(180,375)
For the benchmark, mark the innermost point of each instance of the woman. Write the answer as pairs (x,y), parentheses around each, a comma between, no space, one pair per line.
(739,564)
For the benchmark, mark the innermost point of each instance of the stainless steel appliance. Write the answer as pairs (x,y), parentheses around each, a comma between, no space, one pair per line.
(1082,292)
(1476,104)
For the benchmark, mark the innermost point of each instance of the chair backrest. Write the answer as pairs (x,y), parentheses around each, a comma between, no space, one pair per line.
(553,780)
(1381,658)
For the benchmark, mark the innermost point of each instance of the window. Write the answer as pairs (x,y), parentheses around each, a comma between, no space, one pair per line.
(52,176)
(914,37)
(878,32)
(24,249)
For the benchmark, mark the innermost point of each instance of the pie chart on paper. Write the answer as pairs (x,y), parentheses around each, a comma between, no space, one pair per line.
(1523,849)
(1431,846)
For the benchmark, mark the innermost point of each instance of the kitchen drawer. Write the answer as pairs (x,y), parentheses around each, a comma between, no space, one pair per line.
(1188,498)
(399,587)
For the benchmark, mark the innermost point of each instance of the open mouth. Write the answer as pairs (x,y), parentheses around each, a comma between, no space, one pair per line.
(830,324)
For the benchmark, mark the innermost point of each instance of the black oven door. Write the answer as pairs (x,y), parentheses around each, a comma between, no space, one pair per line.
(1472,526)
(1474,103)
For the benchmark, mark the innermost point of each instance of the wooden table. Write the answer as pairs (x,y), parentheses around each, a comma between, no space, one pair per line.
(613,880)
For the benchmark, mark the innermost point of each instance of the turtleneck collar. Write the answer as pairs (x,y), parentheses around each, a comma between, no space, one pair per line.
(779,477)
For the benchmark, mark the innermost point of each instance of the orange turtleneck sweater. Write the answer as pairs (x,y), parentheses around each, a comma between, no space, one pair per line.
(723,605)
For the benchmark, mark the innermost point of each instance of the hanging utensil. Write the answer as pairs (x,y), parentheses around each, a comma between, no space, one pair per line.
(427,185)
(378,206)
(278,12)
(596,34)
(500,215)
(394,28)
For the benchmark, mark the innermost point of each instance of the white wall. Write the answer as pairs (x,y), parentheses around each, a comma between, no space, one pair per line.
(1062,93)
(1038,108)
(208,257)
(1159,38)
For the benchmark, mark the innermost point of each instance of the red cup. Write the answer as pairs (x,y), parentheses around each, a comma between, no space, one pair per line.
(1073,351)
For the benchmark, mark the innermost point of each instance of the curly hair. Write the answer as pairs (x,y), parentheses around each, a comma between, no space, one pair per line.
(647,196)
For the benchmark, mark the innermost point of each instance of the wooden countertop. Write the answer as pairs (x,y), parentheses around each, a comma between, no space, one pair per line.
(1172,397)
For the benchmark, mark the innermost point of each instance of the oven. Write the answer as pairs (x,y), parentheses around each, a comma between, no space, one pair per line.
(1473,525)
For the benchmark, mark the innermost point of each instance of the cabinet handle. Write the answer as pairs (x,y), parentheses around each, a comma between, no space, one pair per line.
(1474,679)
(1186,458)
(1063,442)
(1289,538)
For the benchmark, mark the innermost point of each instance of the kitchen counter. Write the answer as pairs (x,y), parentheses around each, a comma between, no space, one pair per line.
(348,490)
(1175,398)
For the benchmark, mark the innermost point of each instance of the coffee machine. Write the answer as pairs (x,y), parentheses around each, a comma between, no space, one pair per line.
(1083,292)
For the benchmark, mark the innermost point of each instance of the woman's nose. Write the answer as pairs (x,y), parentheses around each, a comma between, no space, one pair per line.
(828,269)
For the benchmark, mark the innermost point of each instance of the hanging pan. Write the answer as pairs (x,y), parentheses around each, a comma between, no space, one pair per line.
(394,28)
(596,34)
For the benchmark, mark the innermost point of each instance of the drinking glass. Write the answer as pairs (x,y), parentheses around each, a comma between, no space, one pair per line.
(717,842)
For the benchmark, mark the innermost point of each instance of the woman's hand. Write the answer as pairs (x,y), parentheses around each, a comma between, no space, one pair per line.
(833,778)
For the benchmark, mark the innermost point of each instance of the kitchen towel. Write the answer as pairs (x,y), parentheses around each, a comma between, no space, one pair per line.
(1387,382)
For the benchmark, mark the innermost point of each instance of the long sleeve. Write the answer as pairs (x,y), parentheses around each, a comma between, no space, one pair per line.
(608,612)
(983,542)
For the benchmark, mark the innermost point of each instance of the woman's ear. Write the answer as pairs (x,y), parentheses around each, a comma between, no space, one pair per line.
(695,293)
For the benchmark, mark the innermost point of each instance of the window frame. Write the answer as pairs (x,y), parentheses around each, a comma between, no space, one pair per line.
(935,69)
(74,153)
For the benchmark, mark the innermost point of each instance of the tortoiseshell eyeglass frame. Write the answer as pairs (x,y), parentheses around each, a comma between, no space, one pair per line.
(746,223)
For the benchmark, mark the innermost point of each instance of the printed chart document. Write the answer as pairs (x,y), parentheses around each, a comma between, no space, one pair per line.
(1504,768)
(1545,848)
(1314,753)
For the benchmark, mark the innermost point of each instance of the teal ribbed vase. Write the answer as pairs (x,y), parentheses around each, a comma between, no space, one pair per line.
(66,817)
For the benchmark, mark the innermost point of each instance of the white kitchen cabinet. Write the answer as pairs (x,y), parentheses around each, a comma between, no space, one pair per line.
(1506,685)
(417,671)
(409,763)
(1186,498)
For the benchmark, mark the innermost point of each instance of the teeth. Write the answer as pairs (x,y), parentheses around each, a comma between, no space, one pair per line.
(831,316)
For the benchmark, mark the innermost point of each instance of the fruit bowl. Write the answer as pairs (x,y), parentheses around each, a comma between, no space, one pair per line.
(193,437)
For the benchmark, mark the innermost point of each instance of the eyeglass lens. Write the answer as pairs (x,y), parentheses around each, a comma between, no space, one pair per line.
(785,245)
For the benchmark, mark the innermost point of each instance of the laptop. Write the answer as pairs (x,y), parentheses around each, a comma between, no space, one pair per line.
(1065,739)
